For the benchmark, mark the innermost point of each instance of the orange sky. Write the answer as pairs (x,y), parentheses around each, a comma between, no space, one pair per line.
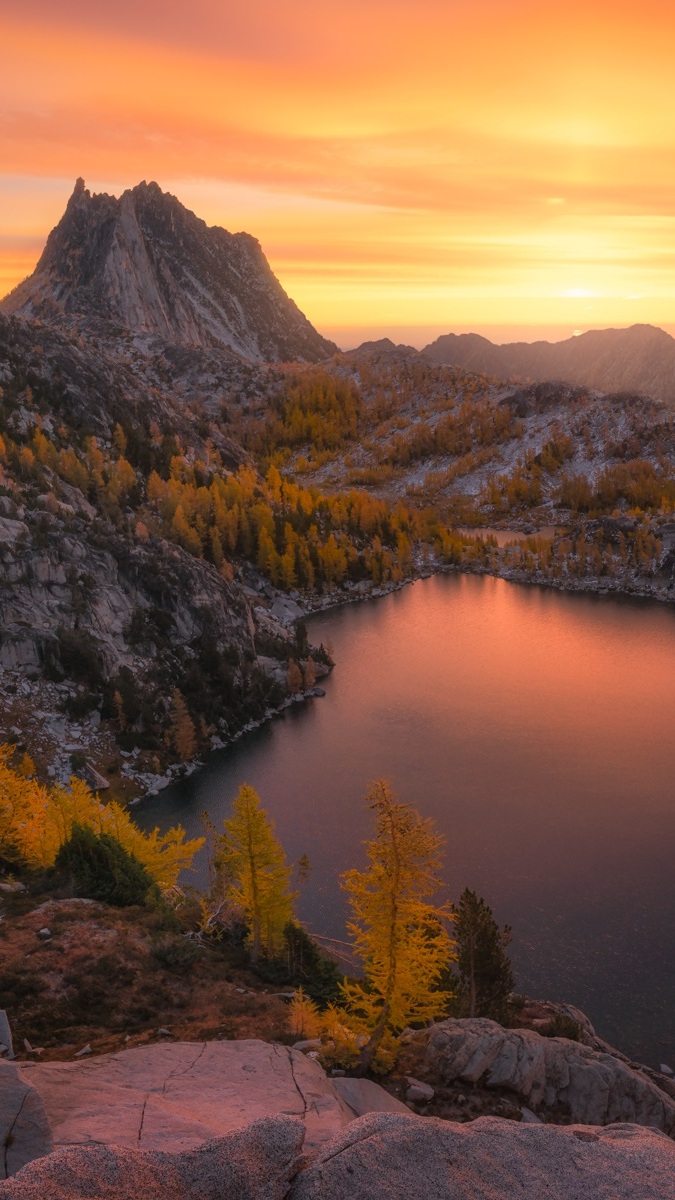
(451,164)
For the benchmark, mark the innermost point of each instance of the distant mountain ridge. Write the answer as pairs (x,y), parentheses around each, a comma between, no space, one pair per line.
(145,262)
(638,359)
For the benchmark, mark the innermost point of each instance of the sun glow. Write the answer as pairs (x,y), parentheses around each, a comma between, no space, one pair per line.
(445,162)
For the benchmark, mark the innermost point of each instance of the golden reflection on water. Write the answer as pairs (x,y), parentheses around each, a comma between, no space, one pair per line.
(536,728)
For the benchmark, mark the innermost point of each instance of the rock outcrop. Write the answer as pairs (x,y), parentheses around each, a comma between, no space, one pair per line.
(24,1127)
(147,263)
(558,1079)
(256,1163)
(177,1095)
(396,1157)
(254,1121)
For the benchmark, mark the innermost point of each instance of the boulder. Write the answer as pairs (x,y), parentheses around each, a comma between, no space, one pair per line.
(24,1127)
(6,1035)
(558,1079)
(395,1156)
(417,1090)
(363,1096)
(173,1096)
(256,1163)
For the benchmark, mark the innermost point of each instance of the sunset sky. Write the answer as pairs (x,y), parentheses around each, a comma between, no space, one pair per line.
(412,168)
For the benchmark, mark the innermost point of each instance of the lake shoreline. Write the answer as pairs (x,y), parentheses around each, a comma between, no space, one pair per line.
(526,715)
(319,603)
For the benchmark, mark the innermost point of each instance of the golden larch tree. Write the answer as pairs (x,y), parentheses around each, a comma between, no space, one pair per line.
(258,878)
(182,729)
(400,936)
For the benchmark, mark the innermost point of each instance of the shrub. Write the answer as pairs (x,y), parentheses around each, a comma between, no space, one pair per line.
(176,953)
(562,1026)
(302,963)
(101,869)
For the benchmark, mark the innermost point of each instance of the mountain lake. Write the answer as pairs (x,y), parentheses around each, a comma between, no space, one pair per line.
(536,728)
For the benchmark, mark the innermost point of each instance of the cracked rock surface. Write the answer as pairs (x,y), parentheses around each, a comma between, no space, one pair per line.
(173,1096)
(559,1079)
(24,1127)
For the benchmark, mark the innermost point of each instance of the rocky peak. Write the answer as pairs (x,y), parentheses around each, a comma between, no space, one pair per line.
(145,262)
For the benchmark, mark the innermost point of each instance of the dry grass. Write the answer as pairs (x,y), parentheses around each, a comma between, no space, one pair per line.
(112,978)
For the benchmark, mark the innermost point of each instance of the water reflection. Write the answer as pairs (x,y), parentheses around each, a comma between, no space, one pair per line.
(536,728)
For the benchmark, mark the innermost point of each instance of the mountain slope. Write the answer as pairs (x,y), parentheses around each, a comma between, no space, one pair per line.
(147,263)
(639,359)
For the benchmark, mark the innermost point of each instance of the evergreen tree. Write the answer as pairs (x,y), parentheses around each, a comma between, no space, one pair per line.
(253,864)
(101,869)
(485,975)
(400,936)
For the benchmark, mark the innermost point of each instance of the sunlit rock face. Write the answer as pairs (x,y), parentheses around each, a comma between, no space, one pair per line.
(150,265)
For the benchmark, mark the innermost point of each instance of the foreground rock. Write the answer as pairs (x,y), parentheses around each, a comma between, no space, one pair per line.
(560,1080)
(256,1163)
(398,1157)
(175,1096)
(24,1128)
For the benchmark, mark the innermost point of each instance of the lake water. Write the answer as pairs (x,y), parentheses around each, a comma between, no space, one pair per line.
(537,729)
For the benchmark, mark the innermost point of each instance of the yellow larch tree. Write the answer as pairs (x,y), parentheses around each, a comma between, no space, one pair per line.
(400,936)
(35,821)
(182,728)
(257,877)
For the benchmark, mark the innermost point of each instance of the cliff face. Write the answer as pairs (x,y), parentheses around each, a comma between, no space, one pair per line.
(145,262)
(87,607)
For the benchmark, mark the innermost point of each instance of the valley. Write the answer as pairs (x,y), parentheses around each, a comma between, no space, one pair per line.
(171,505)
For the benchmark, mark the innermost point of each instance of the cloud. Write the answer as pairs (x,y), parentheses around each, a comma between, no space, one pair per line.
(368,145)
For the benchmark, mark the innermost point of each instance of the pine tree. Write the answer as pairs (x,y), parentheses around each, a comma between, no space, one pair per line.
(399,935)
(253,862)
(485,975)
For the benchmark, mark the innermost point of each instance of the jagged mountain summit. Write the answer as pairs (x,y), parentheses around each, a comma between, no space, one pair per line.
(638,359)
(145,262)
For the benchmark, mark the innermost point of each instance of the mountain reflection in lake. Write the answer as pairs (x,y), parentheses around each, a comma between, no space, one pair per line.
(536,728)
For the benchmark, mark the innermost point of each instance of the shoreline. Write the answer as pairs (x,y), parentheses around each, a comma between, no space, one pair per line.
(314,606)
(85,737)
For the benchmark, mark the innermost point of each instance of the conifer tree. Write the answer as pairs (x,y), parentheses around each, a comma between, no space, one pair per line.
(258,878)
(485,975)
(304,1018)
(294,677)
(309,673)
(400,936)
(182,729)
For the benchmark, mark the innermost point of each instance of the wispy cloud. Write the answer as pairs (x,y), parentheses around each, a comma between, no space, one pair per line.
(444,152)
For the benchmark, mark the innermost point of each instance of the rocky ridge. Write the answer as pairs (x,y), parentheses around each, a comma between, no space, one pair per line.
(145,262)
(638,359)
